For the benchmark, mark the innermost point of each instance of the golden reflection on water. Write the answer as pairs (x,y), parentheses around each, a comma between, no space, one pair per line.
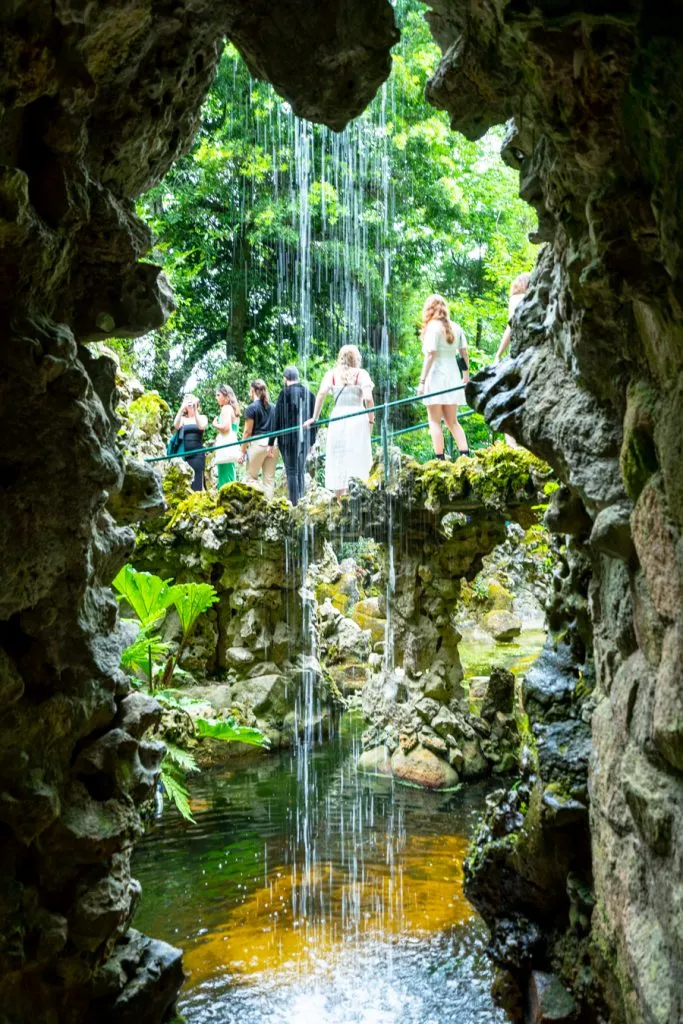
(420,894)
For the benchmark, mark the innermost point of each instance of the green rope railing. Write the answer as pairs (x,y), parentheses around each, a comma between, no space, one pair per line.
(383,408)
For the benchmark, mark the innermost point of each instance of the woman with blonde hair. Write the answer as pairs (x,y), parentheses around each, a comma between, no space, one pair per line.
(445,366)
(349,450)
(226,424)
(191,424)
(258,423)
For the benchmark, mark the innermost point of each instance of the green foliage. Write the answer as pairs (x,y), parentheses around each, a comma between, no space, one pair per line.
(146,646)
(149,596)
(227,223)
(173,781)
(191,600)
(230,732)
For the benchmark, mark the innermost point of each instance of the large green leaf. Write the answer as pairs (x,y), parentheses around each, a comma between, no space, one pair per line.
(229,732)
(136,657)
(149,596)
(191,600)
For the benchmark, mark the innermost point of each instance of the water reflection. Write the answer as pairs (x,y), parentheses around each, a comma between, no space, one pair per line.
(385,924)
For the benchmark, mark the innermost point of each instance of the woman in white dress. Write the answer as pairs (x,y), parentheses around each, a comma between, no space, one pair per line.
(442,343)
(349,450)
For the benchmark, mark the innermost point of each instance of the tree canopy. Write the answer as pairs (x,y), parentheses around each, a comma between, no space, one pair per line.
(284,240)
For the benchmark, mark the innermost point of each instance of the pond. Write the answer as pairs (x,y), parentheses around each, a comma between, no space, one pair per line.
(335,902)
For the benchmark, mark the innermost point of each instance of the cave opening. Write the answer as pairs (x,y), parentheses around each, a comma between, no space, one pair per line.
(576,869)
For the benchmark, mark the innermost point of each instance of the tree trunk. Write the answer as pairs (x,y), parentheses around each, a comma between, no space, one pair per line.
(239,298)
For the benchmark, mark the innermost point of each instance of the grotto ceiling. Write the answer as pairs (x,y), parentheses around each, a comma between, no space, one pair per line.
(96,101)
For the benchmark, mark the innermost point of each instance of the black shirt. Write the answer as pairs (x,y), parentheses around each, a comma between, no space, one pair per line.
(295,405)
(263,418)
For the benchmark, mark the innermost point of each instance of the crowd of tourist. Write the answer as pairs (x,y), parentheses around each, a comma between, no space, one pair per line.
(288,427)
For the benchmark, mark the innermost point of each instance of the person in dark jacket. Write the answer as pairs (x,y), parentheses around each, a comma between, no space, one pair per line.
(294,406)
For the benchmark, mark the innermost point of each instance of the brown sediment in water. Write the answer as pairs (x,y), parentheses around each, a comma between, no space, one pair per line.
(419,894)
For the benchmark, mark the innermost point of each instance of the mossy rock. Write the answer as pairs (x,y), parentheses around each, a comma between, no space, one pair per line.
(498,598)
(334,592)
(150,415)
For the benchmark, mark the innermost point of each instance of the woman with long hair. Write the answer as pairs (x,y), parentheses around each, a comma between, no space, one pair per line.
(192,423)
(349,449)
(226,424)
(260,457)
(444,348)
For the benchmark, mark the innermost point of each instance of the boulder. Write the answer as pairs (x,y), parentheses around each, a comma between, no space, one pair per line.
(503,626)
(421,767)
(499,695)
(270,696)
(376,761)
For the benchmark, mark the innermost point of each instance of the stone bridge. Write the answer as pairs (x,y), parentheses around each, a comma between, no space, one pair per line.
(434,523)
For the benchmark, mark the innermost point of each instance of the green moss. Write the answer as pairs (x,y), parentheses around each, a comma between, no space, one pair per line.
(175,484)
(638,457)
(341,601)
(149,414)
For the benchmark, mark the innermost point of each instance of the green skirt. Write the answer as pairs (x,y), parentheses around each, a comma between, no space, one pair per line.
(226,473)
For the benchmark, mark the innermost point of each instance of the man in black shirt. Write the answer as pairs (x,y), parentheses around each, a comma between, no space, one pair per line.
(295,405)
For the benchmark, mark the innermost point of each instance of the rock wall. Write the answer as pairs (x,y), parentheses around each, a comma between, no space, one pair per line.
(593,385)
(96,101)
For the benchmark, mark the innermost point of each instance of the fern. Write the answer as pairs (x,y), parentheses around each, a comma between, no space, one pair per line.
(183,759)
(175,790)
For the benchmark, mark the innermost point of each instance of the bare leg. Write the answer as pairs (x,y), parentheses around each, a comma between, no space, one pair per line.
(450,414)
(434,414)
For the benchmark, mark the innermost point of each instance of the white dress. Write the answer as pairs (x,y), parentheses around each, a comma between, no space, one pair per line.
(444,372)
(349,450)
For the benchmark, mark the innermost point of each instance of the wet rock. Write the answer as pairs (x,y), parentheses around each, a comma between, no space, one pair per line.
(611,533)
(376,761)
(145,976)
(515,941)
(549,1001)
(503,626)
(499,694)
(667,715)
(563,752)
(421,767)
(549,686)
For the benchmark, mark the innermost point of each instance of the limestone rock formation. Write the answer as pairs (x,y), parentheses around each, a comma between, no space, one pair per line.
(593,386)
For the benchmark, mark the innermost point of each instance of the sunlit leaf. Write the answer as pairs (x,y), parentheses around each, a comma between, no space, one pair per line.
(149,596)
(229,732)
(191,600)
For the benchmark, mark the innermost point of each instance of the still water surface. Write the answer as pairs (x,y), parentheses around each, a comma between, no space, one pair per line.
(356,918)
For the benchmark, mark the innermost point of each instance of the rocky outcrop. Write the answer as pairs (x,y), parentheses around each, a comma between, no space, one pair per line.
(96,101)
(594,387)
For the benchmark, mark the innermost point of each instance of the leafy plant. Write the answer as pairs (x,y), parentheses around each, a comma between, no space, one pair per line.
(148,655)
(150,597)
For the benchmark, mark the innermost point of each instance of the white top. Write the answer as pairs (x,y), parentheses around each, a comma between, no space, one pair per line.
(444,372)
